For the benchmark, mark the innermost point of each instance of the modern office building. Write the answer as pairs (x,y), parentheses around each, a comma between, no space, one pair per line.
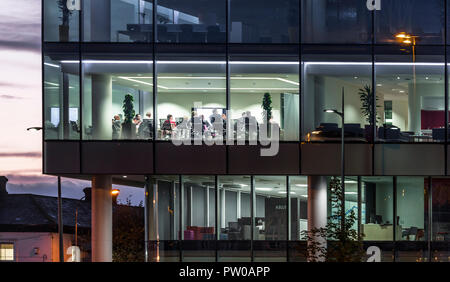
(176,60)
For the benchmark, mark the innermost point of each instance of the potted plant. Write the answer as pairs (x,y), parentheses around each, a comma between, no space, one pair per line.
(65,17)
(128,127)
(367,109)
(267,111)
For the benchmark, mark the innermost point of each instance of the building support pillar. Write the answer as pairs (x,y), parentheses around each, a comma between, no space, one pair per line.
(101,107)
(101,216)
(317,205)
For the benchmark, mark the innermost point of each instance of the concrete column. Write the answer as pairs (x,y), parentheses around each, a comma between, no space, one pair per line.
(101,20)
(222,209)
(102,107)
(101,216)
(317,204)
(238,204)
(414,109)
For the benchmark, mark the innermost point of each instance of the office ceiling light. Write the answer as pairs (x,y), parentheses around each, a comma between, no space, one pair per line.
(351,193)
(51,65)
(301,185)
(192,62)
(351,182)
(264,189)
(284,192)
(304,196)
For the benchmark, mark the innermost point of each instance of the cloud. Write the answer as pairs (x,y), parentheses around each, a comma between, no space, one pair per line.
(32,45)
(70,188)
(10,97)
(21,155)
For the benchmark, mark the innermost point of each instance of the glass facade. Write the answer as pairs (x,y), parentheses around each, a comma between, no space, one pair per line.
(392,72)
(124,70)
(219,216)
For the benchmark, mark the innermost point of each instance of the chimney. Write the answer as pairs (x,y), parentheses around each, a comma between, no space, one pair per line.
(3,191)
(87,194)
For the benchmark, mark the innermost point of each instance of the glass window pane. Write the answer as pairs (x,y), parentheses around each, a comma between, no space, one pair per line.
(336,21)
(234,218)
(425,19)
(61,96)
(60,23)
(168,224)
(299,206)
(118,20)
(200,21)
(327,72)
(191,91)
(265,84)
(412,192)
(6,252)
(412,79)
(377,209)
(440,221)
(117,96)
(270,218)
(264,21)
(199,228)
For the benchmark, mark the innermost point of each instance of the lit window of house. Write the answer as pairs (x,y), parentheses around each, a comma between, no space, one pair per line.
(6,252)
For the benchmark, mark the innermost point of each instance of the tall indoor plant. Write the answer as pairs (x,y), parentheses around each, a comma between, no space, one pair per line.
(368,110)
(267,111)
(65,17)
(128,127)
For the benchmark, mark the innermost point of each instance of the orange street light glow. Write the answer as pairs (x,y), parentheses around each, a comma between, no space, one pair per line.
(115,192)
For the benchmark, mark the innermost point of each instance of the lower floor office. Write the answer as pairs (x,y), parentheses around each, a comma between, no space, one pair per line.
(263,218)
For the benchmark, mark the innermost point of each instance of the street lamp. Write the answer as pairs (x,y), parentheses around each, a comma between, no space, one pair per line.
(342,115)
(60,215)
(115,193)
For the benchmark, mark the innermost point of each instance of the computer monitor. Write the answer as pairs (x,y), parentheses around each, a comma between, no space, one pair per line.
(378,219)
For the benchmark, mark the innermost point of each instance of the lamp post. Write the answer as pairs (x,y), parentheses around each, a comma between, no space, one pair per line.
(410,40)
(342,115)
(60,214)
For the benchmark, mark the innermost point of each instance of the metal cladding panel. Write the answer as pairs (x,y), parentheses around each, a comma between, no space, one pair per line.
(190,159)
(409,159)
(61,157)
(325,159)
(117,158)
(248,160)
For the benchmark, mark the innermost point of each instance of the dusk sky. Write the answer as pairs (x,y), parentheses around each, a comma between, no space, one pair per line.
(20,106)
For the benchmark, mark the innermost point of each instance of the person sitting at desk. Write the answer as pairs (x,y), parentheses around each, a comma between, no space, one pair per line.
(168,126)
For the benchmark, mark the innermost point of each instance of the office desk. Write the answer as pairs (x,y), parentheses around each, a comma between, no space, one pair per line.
(377,232)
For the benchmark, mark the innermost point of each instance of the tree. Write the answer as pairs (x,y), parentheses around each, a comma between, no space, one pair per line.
(343,244)
(128,233)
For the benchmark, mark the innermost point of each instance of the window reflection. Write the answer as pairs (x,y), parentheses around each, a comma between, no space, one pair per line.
(61,97)
(118,20)
(117,97)
(201,21)
(329,71)
(377,221)
(410,89)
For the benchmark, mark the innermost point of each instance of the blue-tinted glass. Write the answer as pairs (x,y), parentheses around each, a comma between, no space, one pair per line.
(335,21)
(118,20)
(425,20)
(201,21)
(264,21)
(61,24)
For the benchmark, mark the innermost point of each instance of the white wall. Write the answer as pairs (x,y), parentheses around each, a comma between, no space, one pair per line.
(25,242)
